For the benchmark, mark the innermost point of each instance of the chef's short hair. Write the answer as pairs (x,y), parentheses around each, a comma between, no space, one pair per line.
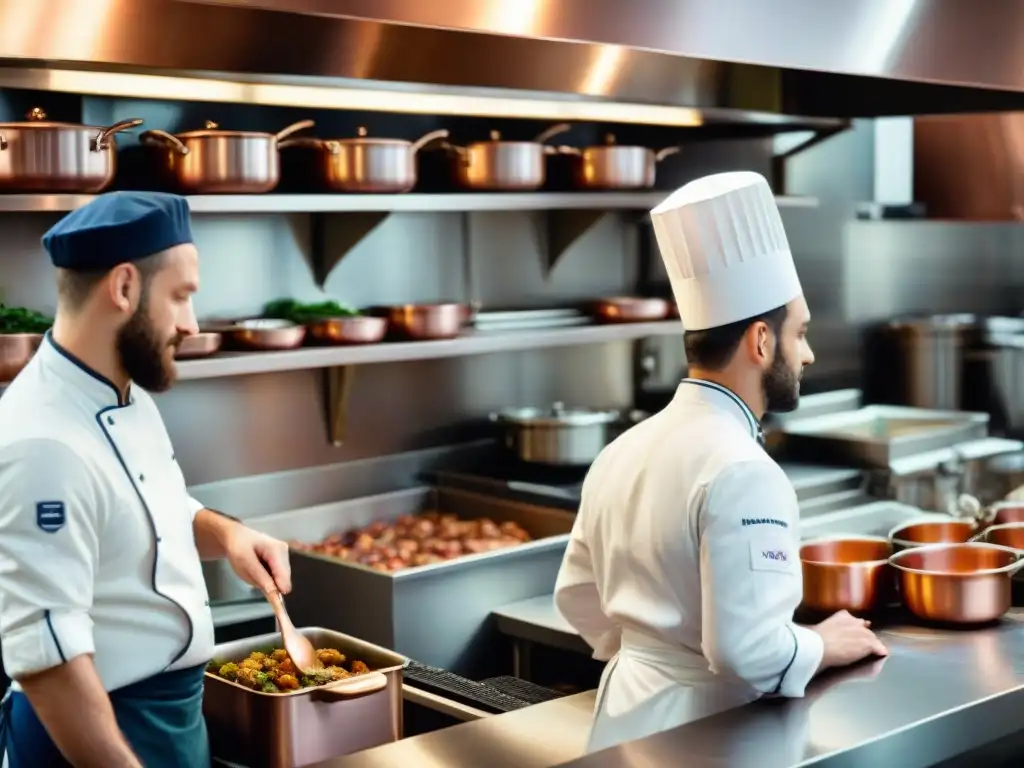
(75,286)
(714,348)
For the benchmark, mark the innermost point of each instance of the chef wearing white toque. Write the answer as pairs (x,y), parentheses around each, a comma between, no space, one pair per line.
(683,567)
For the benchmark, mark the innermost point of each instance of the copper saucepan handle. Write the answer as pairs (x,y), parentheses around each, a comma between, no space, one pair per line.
(351,688)
(102,140)
(422,141)
(158,138)
(293,128)
(661,154)
(551,132)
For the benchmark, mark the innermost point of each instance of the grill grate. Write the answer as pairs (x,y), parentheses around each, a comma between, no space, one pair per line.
(484,696)
(523,690)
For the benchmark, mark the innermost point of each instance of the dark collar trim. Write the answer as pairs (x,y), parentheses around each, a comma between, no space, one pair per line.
(121,402)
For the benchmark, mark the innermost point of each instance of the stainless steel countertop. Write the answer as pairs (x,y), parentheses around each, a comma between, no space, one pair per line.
(940,692)
(535,737)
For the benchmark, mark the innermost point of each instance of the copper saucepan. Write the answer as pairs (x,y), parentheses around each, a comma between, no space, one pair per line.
(849,573)
(360,329)
(957,583)
(42,156)
(1005,535)
(917,533)
(614,166)
(214,161)
(1003,512)
(500,165)
(423,322)
(630,309)
(367,165)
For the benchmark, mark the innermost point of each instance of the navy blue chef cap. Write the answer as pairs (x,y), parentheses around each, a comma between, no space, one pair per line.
(118,227)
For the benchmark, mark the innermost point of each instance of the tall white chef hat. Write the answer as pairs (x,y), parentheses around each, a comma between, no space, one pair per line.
(725,250)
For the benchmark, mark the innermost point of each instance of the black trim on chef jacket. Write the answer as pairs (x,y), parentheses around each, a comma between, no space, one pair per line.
(758,434)
(125,403)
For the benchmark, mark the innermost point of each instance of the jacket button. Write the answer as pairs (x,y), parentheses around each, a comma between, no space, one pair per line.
(142,478)
(159,539)
(110,420)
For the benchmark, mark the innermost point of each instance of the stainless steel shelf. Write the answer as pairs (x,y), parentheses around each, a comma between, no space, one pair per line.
(471,343)
(539,201)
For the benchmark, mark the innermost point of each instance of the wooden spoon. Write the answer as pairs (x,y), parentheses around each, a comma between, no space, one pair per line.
(301,651)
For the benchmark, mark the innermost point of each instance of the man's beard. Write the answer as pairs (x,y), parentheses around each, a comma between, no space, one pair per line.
(781,386)
(143,353)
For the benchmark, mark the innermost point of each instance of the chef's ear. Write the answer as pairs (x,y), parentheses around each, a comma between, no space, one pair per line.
(765,343)
(124,287)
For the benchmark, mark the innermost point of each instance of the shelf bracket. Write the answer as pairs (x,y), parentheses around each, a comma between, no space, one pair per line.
(332,239)
(565,227)
(337,390)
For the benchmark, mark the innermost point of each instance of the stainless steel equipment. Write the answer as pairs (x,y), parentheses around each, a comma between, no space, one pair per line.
(43,156)
(876,435)
(436,614)
(365,164)
(215,161)
(556,435)
(282,730)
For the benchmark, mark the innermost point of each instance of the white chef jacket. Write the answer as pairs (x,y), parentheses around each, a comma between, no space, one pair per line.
(683,569)
(97,552)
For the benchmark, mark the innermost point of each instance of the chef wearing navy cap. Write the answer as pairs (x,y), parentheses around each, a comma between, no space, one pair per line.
(683,567)
(104,617)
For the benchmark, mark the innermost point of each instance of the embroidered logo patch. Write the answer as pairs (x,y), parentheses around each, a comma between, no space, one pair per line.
(50,516)
(764,521)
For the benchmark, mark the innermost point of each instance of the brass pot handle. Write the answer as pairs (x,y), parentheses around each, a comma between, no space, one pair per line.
(158,138)
(551,132)
(352,687)
(102,140)
(426,139)
(661,154)
(293,128)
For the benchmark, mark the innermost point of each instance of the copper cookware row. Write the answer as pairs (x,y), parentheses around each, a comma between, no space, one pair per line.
(42,156)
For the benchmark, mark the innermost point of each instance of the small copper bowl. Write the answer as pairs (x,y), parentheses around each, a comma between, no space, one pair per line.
(920,533)
(427,321)
(348,330)
(202,344)
(849,573)
(957,583)
(629,309)
(1005,535)
(266,335)
(1006,512)
(16,349)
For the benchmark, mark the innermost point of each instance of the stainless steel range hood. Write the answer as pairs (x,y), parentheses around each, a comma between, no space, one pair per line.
(784,57)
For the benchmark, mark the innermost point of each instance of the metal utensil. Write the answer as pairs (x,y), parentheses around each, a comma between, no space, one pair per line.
(302,652)
(846,573)
(957,583)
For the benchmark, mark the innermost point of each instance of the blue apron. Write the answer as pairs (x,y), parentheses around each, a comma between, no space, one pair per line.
(161,717)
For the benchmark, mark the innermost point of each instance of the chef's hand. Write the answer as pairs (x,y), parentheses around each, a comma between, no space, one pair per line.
(247,551)
(847,639)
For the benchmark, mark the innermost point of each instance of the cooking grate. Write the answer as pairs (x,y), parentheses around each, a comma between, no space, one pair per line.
(463,690)
(523,690)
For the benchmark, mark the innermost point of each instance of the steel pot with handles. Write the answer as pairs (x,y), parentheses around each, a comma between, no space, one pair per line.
(42,156)
(214,161)
(614,166)
(556,435)
(367,165)
(500,165)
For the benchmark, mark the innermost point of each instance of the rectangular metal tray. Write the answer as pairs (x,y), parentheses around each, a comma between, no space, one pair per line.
(279,730)
(873,519)
(436,614)
(876,435)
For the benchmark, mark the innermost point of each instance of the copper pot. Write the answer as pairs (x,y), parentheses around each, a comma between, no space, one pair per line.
(40,156)
(847,573)
(386,166)
(16,349)
(201,344)
(919,533)
(611,166)
(348,330)
(628,309)
(428,321)
(213,161)
(499,165)
(265,334)
(1003,512)
(1005,535)
(956,583)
